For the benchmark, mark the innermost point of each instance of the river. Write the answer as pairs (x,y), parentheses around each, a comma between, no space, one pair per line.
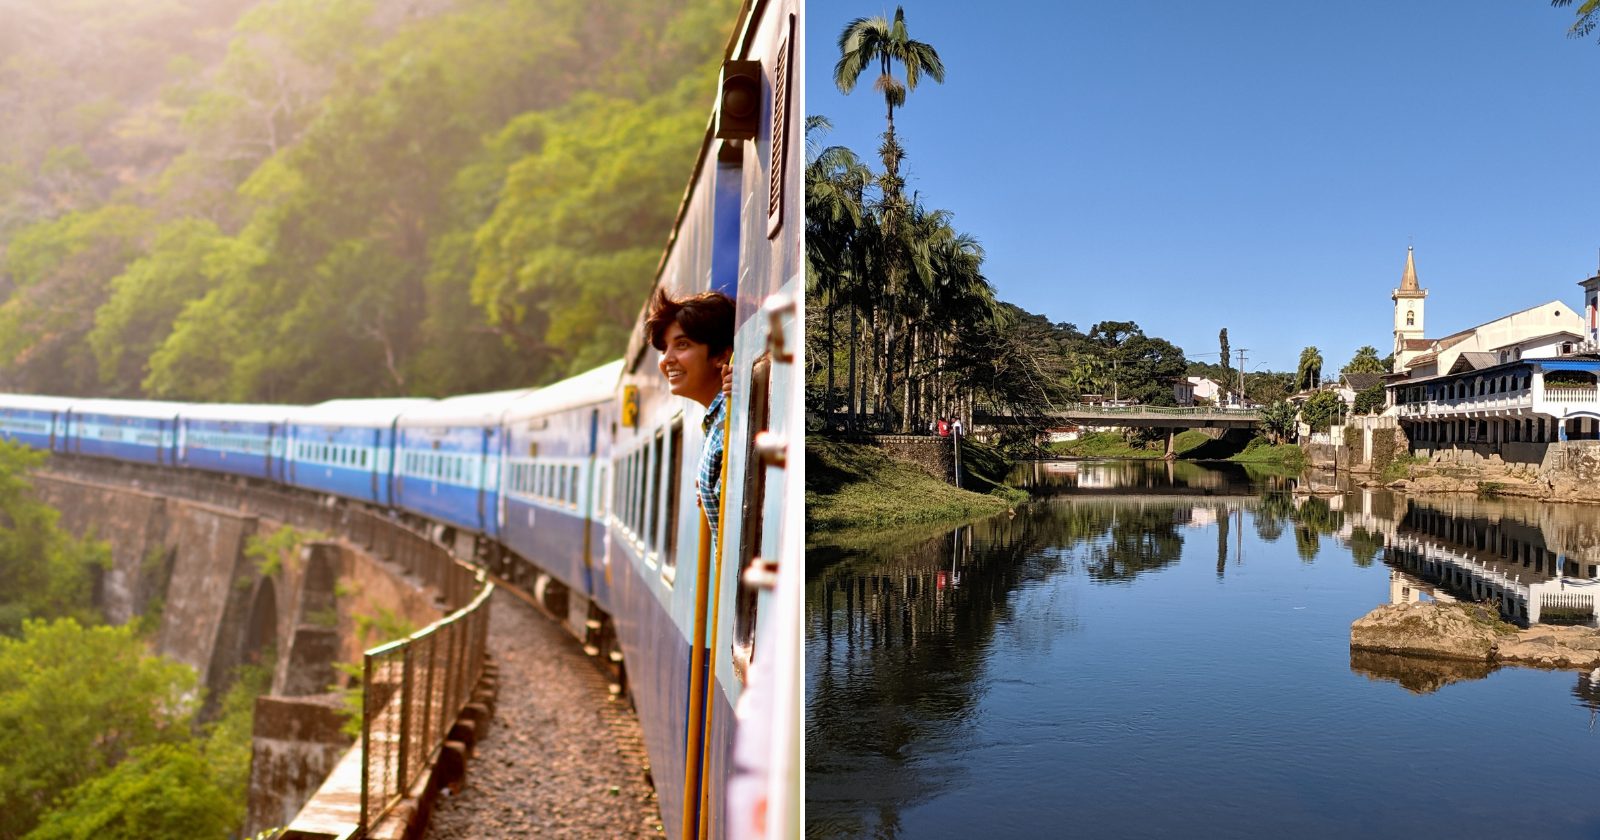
(1162,650)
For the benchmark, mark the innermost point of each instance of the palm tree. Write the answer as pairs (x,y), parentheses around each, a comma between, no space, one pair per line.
(1588,17)
(865,40)
(862,42)
(836,225)
(1310,371)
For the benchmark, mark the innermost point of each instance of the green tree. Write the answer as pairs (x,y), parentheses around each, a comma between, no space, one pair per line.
(1222,339)
(1309,374)
(1277,420)
(74,702)
(47,572)
(1370,400)
(1321,410)
(160,790)
(1365,361)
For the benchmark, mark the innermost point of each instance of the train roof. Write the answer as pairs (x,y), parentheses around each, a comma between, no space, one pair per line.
(151,409)
(240,412)
(35,402)
(374,413)
(596,386)
(465,410)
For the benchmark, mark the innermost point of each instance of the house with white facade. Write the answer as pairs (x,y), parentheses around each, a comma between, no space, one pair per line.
(1531,377)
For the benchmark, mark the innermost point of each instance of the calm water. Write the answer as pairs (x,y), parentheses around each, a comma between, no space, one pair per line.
(1163,651)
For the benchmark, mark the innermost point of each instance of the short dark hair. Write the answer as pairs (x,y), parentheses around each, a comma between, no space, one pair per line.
(706,318)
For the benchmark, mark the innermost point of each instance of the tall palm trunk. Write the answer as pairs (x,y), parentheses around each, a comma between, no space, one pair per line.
(828,395)
(855,341)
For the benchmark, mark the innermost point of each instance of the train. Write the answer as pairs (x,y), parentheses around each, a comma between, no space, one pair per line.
(576,493)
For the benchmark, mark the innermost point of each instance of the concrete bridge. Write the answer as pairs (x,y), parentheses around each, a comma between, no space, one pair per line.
(1135,416)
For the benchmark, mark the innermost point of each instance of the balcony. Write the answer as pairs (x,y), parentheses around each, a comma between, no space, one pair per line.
(1485,405)
(1568,396)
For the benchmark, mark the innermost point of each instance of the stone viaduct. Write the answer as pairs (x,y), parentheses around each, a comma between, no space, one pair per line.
(183,560)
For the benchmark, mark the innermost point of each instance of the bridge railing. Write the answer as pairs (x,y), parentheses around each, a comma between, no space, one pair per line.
(1167,410)
(414,688)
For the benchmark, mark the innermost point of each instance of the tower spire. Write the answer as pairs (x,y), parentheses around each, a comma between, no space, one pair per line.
(1408,281)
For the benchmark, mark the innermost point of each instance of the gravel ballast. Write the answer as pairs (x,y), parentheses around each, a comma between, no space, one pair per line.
(563,758)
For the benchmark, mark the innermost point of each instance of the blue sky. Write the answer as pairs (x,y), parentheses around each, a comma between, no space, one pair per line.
(1259,166)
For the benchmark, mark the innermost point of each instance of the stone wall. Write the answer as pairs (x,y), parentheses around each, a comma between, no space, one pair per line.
(935,455)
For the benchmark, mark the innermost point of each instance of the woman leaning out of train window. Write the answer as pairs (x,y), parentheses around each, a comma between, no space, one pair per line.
(695,337)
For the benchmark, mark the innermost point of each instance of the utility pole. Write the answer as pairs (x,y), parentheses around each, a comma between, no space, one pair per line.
(1241,377)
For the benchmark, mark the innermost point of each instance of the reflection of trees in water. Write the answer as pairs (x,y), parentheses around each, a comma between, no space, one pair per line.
(1140,539)
(1274,510)
(897,640)
(1365,546)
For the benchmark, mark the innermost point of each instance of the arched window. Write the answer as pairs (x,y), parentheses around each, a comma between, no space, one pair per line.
(1411,318)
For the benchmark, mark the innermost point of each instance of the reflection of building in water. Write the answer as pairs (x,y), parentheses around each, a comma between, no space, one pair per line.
(1409,589)
(1488,556)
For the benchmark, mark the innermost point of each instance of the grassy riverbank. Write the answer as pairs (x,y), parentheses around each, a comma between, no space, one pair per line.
(851,486)
(1259,451)
(1114,445)
(1190,445)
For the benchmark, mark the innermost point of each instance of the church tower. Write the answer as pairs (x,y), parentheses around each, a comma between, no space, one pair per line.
(1408,300)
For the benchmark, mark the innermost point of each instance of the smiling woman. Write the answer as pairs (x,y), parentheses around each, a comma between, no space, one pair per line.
(695,337)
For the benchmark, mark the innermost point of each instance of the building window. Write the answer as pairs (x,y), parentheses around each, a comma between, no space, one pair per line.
(1411,318)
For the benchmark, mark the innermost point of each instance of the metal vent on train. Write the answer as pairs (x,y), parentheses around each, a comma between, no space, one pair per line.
(739,110)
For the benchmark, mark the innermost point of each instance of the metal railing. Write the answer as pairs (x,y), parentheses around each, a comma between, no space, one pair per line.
(413,689)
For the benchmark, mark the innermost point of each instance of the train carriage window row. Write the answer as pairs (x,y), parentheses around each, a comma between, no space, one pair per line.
(230,442)
(646,478)
(440,466)
(331,454)
(547,481)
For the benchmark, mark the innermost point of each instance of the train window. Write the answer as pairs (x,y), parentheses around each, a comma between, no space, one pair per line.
(616,486)
(669,559)
(653,500)
(572,486)
(642,490)
(634,479)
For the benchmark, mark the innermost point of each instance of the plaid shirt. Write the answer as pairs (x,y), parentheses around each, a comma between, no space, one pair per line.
(708,478)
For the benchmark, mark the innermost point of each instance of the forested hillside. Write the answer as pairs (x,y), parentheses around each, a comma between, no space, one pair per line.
(294,200)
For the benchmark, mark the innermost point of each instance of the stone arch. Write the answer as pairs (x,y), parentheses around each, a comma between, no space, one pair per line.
(260,640)
(307,665)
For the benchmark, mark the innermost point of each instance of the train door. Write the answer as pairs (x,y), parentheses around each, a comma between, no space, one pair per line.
(482,481)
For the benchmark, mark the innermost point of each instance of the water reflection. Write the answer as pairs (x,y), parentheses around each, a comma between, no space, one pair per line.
(1417,674)
(1069,657)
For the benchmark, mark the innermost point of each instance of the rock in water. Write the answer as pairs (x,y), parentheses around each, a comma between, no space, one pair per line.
(1450,631)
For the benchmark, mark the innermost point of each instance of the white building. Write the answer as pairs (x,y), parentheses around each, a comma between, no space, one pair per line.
(1530,377)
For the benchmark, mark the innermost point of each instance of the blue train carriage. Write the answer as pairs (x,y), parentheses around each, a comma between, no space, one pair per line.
(346,447)
(39,422)
(448,460)
(247,440)
(553,495)
(128,430)
(689,629)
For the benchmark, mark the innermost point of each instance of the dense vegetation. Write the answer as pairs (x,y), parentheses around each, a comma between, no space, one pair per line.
(291,200)
(99,737)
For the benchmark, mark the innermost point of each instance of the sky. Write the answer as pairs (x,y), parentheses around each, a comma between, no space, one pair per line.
(1259,166)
